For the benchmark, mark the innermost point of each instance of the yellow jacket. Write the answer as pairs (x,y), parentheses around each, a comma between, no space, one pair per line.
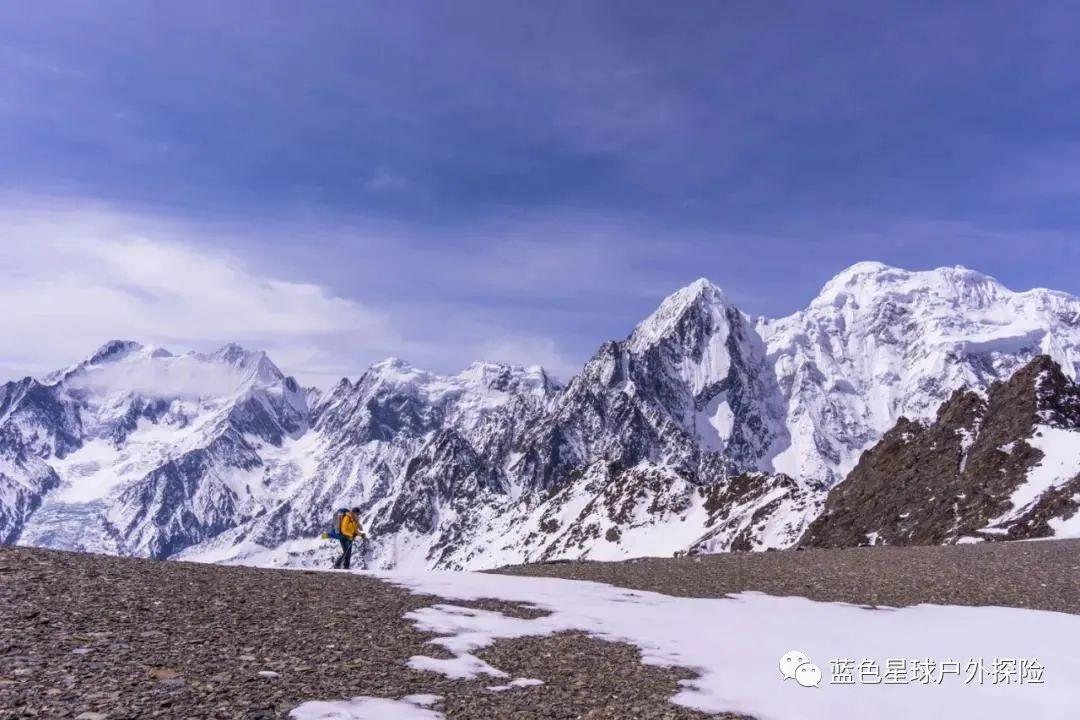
(350,528)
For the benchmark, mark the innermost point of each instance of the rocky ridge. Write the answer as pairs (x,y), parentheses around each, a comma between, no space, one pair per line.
(1001,466)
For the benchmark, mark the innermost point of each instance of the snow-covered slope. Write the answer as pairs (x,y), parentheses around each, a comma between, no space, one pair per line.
(423,455)
(704,430)
(150,451)
(656,447)
(879,343)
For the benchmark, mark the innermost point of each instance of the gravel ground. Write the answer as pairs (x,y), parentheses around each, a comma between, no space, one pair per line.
(1042,574)
(98,637)
(125,638)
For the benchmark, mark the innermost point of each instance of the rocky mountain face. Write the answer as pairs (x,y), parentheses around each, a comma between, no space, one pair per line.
(637,450)
(34,428)
(704,430)
(1001,466)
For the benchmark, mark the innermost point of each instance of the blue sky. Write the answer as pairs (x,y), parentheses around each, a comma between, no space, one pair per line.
(511,180)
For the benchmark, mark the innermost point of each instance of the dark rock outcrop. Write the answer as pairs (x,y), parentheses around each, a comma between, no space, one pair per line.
(953,478)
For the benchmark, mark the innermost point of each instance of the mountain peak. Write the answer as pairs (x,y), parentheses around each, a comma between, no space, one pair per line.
(665,319)
(233,354)
(868,273)
(869,280)
(392,365)
(865,267)
(113,350)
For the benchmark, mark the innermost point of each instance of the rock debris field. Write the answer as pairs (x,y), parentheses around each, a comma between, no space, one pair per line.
(94,637)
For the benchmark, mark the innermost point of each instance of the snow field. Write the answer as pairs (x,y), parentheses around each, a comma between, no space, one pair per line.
(735,643)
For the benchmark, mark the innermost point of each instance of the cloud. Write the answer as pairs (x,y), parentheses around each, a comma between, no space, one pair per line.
(527,351)
(74,276)
(69,280)
(182,376)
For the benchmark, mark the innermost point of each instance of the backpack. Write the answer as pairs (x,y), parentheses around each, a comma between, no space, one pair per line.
(335,528)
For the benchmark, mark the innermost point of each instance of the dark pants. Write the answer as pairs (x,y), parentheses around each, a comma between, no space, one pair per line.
(346,554)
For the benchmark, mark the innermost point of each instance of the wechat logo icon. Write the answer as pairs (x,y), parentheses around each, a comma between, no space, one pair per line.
(796,666)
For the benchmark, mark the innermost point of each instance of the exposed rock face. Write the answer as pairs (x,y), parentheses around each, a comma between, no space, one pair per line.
(979,471)
(34,428)
(689,389)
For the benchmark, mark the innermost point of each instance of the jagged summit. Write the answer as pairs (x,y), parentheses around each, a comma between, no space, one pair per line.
(110,353)
(232,354)
(121,350)
(699,297)
(113,350)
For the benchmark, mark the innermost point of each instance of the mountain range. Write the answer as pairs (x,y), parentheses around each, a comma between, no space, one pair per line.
(898,407)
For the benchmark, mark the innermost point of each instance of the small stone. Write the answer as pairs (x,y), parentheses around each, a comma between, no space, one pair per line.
(91,716)
(268,674)
(163,673)
(246,658)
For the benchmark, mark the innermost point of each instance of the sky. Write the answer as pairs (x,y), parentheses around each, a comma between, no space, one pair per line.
(339,182)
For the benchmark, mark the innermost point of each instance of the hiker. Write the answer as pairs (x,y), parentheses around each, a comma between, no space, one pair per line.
(348,531)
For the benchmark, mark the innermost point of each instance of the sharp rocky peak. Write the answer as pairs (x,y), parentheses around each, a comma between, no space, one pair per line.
(700,299)
(112,351)
(233,354)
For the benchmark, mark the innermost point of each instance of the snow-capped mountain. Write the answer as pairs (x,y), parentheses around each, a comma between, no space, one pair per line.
(879,343)
(704,430)
(143,452)
(422,455)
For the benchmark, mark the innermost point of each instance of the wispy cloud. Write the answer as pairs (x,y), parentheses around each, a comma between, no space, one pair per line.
(477,180)
(181,376)
(74,277)
(69,280)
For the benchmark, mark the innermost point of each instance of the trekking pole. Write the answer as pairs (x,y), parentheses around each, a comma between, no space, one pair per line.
(364,547)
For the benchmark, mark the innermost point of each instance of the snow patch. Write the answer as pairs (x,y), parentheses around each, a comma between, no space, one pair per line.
(734,644)
(422,699)
(366,708)
(715,422)
(461,667)
(518,683)
(1060,463)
